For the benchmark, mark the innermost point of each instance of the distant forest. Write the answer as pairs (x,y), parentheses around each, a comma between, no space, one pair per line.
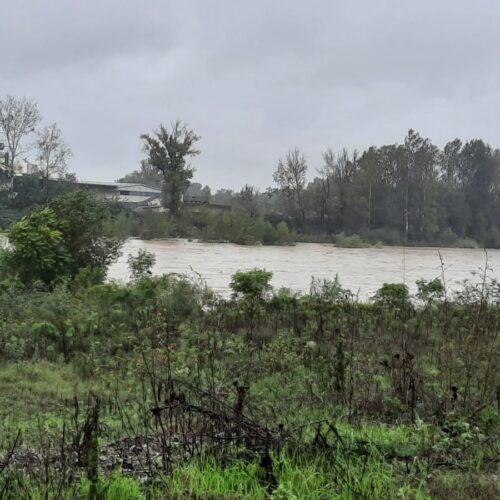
(413,193)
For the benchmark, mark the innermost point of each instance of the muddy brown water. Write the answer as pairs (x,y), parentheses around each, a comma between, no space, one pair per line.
(362,270)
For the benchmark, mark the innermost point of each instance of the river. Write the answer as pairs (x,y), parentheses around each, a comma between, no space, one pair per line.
(362,270)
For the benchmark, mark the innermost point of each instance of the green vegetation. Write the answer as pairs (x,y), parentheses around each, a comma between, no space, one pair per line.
(167,152)
(362,400)
(62,240)
(413,193)
(203,225)
(159,388)
(352,241)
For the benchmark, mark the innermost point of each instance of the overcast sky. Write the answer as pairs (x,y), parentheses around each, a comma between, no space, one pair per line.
(254,78)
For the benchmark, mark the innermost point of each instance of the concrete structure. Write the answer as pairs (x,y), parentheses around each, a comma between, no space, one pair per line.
(134,194)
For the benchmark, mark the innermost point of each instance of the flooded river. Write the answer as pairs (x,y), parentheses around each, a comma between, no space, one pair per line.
(362,270)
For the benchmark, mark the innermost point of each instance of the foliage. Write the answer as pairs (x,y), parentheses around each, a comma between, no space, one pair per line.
(393,294)
(364,402)
(38,252)
(32,190)
(430,291)
(147,174)
(410,193)
(141,264)
(251,284)
(167,152)
(351,241)
(83,218)
(60,240)
(290,175)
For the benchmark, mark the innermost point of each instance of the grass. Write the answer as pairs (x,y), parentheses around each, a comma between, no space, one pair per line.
(310,364)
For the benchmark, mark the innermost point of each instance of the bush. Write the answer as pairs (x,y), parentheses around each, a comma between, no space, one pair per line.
(141,264)
(392,294)
(352,241)
(251,284)
(59,240)
(153,225)
(239,228)
(38,252)
(430,291)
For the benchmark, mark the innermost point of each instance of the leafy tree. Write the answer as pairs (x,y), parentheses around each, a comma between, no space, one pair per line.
(421,164)
(197,193)
(290,175)
(247,200)
(395,295)
(223,197)
(140,265)
(83,222)
(251,284)
(61,239)
(430,291)
(168,151)
(38,251)
(252,287)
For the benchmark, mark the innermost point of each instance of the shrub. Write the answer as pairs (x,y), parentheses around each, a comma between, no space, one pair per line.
(429,291)
(141,264)
(38,252)
(251,284)
(61,239)
(392,294)
(352,241)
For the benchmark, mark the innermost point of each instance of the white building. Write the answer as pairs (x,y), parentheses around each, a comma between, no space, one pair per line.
(135,194)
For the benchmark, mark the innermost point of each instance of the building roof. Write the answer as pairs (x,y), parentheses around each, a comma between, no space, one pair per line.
(119,185)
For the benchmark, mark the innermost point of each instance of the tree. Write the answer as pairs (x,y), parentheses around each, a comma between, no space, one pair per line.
(320,190)
(480,179)
(53,152)
(290,175)
(420,176)
(18,119)
(343,167)
(251,287)
(252,284)
(84,220)
(223,197)
(62,239)
(37,250)
(247,200)
(140,265)
(168,151)
(197,193)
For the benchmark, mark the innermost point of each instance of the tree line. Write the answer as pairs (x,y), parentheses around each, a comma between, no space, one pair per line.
(413,192)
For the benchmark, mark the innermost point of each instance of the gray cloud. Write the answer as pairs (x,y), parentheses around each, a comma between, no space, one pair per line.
(253,78)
